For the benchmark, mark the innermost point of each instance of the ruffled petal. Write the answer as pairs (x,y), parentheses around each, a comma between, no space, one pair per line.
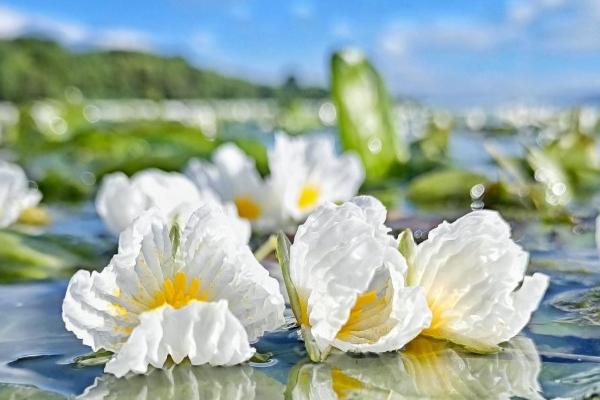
(205,333)
(333,260)
(230,271)
(390,321)
(471,271)
(121,200)
(118,203)
(98,323)
(307,172)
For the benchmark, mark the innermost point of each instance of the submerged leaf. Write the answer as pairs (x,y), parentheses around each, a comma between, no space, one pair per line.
(24,257)
(99,357)
(583,306)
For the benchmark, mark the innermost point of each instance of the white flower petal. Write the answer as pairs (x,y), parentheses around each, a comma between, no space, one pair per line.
(205,333)
(121,200)
(188,382)
(234,177)
(88,316)
(404,316)
(302,163)
(231,272)
(231,170)
(15,193)
(342,257)
(157,266)
(471,271)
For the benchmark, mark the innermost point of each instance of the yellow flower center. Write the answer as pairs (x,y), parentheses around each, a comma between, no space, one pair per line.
(343,384)
(309,196)
(247,208)
(177,292)
(368,305)
(440,314)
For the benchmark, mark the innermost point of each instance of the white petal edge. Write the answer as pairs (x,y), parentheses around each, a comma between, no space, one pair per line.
(205,333)
(471,269)
(409,315)
(335,255)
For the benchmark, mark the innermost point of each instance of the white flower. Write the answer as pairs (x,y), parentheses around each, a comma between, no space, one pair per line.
(349,282)
(15,193)
(188,382)
(427,369)
(473,275)
(306,172)
(234,177)
(121,200)
(195,293)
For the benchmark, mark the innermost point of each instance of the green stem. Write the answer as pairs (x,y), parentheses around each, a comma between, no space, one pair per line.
(266,248)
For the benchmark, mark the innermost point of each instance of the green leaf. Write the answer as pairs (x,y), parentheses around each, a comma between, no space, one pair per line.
(25,257)
(557,190)
(364,113)
(444,186)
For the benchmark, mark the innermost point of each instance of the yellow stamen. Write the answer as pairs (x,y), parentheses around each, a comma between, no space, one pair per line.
(303,311)
(177,292)
(309,196)
(343,384)
(440,313)
(247,208)
(366,305)
(119,309)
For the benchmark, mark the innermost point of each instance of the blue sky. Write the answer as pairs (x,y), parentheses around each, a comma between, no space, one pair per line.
(452,52)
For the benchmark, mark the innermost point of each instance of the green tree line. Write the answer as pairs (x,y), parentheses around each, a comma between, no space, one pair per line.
(33,68)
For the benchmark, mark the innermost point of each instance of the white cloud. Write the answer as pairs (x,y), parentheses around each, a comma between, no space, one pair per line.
(302,11)
(341,29)
(12,23)
(123,39)
(204,42)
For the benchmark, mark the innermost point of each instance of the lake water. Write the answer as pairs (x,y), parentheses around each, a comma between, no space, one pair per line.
(556,355)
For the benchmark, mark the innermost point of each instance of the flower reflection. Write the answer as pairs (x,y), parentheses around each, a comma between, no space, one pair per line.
(428,369)
(187,382)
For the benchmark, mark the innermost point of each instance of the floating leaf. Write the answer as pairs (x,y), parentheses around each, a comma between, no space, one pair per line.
(24,257)
(444,186)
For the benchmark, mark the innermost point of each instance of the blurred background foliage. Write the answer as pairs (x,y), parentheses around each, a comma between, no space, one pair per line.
(70,118)
(33,68)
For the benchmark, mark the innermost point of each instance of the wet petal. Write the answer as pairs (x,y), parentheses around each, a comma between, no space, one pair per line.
(473,275)
(205,333)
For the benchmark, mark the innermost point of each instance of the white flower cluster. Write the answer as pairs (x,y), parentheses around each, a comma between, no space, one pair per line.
(354,287)
(195,292)
(305,173)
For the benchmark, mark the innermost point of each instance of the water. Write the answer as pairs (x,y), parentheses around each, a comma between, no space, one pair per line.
(557,354)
